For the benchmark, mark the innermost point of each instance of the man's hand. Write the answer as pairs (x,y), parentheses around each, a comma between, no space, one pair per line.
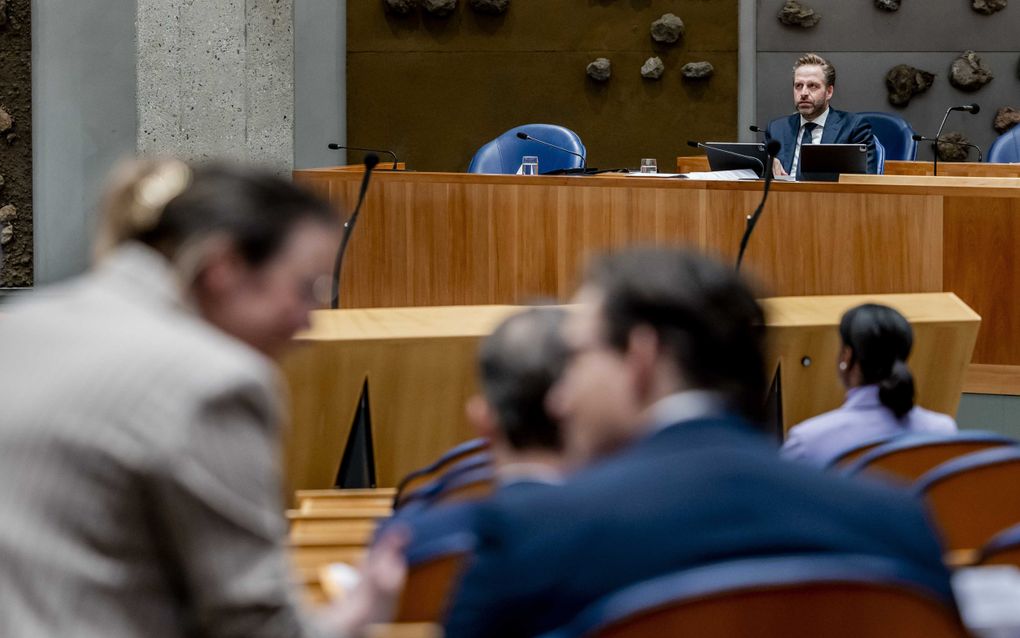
(777,168)
(375,597)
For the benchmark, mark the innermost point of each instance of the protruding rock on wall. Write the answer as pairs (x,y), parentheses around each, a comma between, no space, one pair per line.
(439,8)
(968,73)
(600,69)
(490,7)
(795,14)
(653,68)
(988,7)
(904,82)
(953,147)
(698,70)
(668,29)
(400,7)
(888,5)
(1005,118)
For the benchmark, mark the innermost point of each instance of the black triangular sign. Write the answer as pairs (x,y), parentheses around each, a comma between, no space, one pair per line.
(357,467)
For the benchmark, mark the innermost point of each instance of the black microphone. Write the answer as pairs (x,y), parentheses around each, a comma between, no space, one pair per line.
(771,150)
(755,129)
(694,144)
(921,138)
(333,146)
(521,135)
(970,108)
(371,160)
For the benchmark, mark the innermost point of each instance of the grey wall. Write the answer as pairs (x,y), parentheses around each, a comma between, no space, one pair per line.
(83,121)
(864,43)
(216,80)
(320,81)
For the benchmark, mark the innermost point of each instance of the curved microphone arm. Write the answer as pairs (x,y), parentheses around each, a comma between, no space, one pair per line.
(771,150)
(371,160)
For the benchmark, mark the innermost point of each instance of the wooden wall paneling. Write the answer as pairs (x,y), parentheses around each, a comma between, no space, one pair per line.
(982,242)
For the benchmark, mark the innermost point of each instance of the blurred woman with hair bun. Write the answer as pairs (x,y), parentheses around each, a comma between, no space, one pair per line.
(139,448)
(880,390)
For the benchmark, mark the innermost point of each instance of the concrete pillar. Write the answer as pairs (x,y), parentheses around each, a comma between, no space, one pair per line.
(216,80)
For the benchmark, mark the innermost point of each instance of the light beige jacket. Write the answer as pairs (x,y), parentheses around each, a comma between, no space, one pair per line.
(139,487)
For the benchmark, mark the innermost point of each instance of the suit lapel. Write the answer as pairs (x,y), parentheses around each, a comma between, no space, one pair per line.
(833,125)
(786,153)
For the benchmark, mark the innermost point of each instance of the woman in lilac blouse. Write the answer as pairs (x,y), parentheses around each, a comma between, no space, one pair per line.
(880,390)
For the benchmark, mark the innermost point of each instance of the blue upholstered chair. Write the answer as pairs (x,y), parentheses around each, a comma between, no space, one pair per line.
(503,154)
(880,151)
(817,595)
(1003,549)
(1006,148)
(909,456)
(895,134)
(422,476)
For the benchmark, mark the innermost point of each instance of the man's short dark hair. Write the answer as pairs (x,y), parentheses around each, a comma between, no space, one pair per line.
(519,363)
(704,315)
(813,59)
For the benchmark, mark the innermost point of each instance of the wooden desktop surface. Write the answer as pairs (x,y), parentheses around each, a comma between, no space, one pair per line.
(438,239)
(421,368)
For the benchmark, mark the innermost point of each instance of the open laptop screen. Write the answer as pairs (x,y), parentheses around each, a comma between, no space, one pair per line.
(726,156)
(825,162)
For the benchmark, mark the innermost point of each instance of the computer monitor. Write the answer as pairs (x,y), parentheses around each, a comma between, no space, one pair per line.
(726,156)
(825,162)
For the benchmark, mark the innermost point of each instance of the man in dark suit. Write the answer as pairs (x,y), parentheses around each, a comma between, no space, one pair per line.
(665,381)
(518,364)
(814,80)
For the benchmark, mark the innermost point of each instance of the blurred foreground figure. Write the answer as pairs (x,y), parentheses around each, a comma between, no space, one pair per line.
(664,385)
(138,447)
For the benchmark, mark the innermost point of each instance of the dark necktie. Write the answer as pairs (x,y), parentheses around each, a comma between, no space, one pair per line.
(805,138)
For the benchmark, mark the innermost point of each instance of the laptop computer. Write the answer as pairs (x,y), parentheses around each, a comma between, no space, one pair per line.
(825,162)
(725,156)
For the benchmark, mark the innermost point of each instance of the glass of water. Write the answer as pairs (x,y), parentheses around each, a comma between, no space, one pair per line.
(648,165)
(529,165)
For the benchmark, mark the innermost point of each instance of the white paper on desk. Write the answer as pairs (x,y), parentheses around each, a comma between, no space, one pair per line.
(989,600)
(724,176)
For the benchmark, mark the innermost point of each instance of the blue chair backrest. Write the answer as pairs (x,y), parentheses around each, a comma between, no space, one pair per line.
(911,455)
(1006,540)
(880,151)
(895,133)
(1006,148)
(780,575)
(503,154)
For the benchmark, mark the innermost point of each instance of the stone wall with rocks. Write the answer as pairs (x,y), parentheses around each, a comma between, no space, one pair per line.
(16,143)
(865,42)
(435,88)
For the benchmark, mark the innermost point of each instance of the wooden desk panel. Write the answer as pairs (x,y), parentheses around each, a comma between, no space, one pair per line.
(442,239)
(421,367)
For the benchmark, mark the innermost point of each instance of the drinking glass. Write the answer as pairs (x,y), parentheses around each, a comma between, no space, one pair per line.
(648,165)
(529,165)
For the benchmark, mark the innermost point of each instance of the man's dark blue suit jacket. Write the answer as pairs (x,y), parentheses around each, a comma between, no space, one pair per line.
(841,127)
(694,493)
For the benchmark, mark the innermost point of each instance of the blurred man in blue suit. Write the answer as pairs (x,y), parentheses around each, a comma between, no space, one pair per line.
(814,81)
(665,384)
(518,364)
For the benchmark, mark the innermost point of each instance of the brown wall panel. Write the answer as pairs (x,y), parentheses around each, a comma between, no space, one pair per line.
(435,90)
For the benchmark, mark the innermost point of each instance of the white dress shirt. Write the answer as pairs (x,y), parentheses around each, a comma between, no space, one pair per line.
(816,138)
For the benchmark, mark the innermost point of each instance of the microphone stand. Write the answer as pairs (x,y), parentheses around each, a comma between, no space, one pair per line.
(333,146)
(370,163)
(772,149)
(521,135)
(935,144)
